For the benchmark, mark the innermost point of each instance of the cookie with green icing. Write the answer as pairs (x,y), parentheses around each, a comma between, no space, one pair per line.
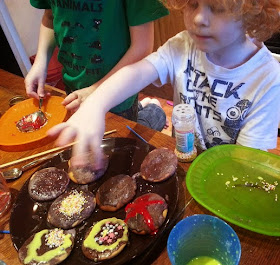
(105,239)
(71,208)
(48,247)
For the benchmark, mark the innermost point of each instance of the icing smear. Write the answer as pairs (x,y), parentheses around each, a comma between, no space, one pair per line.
(54,238)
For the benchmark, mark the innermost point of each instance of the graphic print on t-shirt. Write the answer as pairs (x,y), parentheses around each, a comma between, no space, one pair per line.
(218,105)
(79,43)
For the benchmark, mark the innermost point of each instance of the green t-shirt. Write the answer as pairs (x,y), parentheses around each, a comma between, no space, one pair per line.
(93,35)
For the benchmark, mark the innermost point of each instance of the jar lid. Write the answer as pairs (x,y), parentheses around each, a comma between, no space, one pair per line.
(183,112)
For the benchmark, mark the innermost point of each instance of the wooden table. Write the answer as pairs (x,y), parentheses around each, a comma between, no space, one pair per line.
(256,248)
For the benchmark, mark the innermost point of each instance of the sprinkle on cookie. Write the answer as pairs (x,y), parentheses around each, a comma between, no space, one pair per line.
(55,238)
(73,204)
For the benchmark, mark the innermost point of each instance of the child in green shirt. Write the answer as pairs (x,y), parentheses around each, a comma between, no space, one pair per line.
(95,39)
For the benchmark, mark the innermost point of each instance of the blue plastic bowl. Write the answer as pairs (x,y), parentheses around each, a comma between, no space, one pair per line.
(203,235)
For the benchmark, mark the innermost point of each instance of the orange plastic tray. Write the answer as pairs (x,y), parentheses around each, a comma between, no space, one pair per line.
(13,139)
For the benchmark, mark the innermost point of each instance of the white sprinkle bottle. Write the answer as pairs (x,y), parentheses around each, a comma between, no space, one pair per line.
(183,120)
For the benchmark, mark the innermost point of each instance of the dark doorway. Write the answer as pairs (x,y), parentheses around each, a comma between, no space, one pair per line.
(8,61)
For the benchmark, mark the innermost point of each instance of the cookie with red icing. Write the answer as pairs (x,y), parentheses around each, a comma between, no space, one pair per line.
(47,184)
(146,213)
(116,192)
(105,239)
(71,208)
(159,165)
(88,173)
(48,247)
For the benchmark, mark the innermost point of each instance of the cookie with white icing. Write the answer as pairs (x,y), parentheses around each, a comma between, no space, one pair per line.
(47,184)
(105,239)
(116,192)
(159,165)
(48,247)
(71,208)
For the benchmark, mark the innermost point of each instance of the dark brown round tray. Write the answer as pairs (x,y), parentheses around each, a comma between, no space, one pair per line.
(126,156)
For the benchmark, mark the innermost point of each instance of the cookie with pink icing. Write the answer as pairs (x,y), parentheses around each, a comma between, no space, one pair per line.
(105,239)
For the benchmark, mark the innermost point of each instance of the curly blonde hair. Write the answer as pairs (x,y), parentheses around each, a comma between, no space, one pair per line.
(261,18)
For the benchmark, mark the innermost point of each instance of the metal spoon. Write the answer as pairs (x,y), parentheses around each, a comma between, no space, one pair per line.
(33,121)
(15,173)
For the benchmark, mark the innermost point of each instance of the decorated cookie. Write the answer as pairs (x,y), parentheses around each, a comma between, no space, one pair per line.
(116,192)
(105,239)
(87,174)
(71,208)
(47,184)
(158,165)
(146,213)
(48,247)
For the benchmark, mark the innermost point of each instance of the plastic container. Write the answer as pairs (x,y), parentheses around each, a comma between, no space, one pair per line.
(183,120)
(203,237)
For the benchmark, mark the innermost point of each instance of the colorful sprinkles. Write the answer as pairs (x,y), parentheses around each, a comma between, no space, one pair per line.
(109,233)
(55,238)
(73,203)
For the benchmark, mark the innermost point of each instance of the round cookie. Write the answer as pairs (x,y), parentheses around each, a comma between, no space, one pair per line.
(47,184)
(116,192)
(71,208)
(87,174)
(146,213)
(159,165)
(105,239)
(48,247)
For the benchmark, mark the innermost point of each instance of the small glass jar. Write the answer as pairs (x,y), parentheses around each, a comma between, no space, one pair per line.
(16,99)
(183,120)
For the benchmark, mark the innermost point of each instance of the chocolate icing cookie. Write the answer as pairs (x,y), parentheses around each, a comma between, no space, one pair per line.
(71,208)
(88,173)
(159,165)
(47,184)
(116,192)
(48,247)
(105,239)
(146,213)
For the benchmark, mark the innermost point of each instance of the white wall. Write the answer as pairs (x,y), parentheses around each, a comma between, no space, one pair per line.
(27,20)
(20,23)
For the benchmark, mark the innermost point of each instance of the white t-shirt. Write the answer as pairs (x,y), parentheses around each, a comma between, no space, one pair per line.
(240,105)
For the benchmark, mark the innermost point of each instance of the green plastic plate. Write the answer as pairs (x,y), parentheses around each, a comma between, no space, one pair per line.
(240,185)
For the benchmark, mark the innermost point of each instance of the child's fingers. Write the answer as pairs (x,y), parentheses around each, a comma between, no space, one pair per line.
(41,89)
(73,106)
(31,90)
(95,146)
(81,149)
(71,97)
(57,129)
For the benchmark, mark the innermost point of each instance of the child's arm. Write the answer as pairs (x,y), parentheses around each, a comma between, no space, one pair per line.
(88,123)
(142,41)
(35,80)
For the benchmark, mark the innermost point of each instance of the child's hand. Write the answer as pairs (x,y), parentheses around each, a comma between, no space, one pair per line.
(87,129)
(73,101)
(35,82)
